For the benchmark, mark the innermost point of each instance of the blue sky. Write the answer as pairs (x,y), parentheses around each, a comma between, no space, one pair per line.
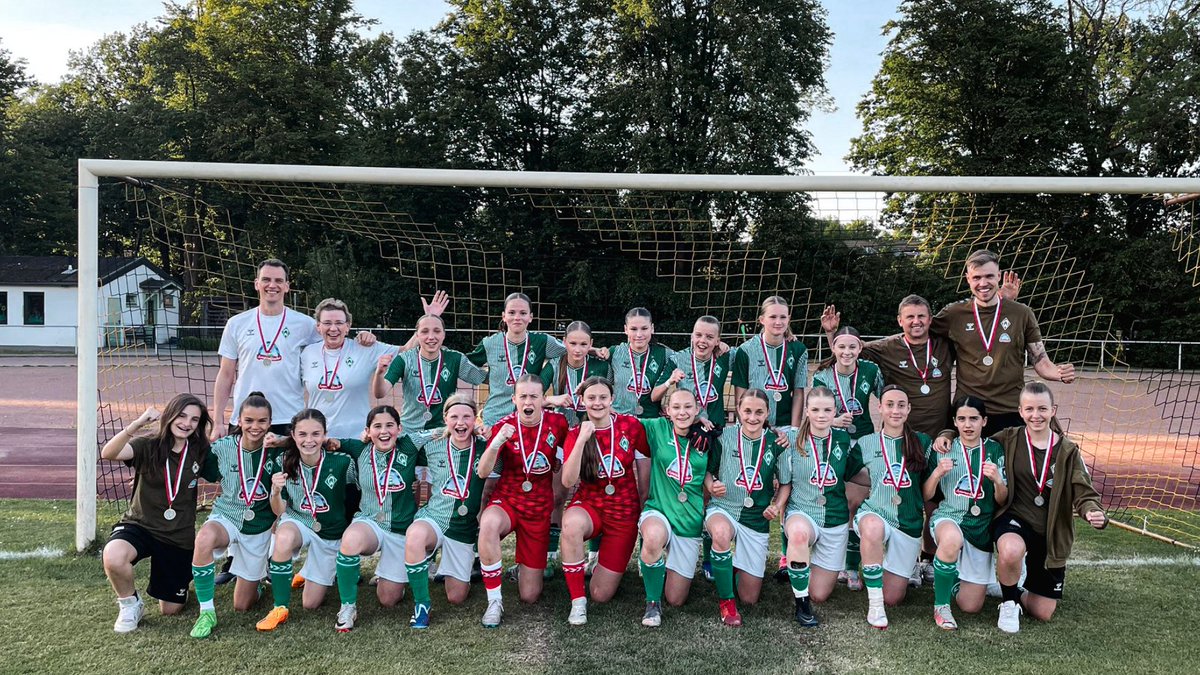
(44,32)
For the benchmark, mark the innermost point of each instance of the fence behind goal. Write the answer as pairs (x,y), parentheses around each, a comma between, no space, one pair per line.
(588,247)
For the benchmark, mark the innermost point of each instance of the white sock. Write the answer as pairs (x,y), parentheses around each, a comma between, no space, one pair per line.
(874,594)
(207,606)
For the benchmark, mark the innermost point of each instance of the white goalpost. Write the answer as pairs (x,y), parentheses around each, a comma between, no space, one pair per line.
(92,170)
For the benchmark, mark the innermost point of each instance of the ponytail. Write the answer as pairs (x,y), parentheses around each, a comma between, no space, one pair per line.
(589,467)
(254,399)
(830,360)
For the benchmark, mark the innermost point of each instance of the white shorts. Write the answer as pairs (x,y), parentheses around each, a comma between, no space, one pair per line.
(457,558)
(320,566)
(829,544)
(682,552)
(750,547)
(902,550)
(391,553)
(250,552)
(974,566)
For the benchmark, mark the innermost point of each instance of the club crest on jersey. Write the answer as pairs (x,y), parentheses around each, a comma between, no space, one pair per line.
(829,478)
(624,443)
(260,491)
(445,374)
(395,482)
(272,355)
(195,467)
(673,471)
(286,332)
(321,504)
(330,481)
(616,470)
(1005,323)
(904,479)
(756,482)
(349,360)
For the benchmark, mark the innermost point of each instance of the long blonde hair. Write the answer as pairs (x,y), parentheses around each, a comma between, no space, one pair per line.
(777,300)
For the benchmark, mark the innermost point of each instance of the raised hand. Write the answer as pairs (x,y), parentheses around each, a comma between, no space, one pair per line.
(439,303)
(831,319)
(1010,286)
(385,362)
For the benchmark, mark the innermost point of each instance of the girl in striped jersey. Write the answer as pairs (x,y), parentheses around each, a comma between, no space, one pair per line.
(852,380)
(450,519)
(241,516)
(818,517)
(386,464)
(641,370)
(308,493)
(607,456)
(897,462)
(565,377)
(705,367)
(970,480)
(741,479)
(510,353)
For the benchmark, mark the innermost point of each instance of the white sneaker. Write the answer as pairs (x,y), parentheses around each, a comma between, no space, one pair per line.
(495,610)
(578,616)
(918,575)
(876,614)
(129,614)
(927,571)
(593,557)
(346,617)
(944,618)
(1010,617)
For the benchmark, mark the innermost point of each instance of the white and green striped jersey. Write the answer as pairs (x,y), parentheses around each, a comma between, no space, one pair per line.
(820,495)
(747,469)
(551,379)
(750,370)
(710,389)
(253,479)
(889,479)
(494,352)
(412,369)
(632,373)
(865,381)
(387,480)
(328,501)
(956,490)
(454,483)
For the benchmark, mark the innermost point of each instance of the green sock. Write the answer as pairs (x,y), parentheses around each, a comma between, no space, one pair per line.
(798,573)
(347,577)
(653,578)
(418,581)
(594,544)
(204,577)
(555,532)
(853,555)
(281,582)
(872,576)
(706,542)
(722,569)
(945,576)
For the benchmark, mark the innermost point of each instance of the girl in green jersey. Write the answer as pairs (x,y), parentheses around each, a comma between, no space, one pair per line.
(642,370)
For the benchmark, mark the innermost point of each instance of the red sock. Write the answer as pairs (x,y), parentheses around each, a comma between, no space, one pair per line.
(491,576)
(573,572)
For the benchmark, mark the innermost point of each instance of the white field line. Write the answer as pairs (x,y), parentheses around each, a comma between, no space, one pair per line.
(39,552)
(1137,561)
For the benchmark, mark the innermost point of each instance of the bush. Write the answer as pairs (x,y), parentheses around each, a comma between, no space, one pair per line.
(199,344)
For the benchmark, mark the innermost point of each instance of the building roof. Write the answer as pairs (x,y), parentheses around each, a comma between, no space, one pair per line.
(61,270)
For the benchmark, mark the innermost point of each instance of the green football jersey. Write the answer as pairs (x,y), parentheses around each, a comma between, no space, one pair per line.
(388,480)
(241,473)
(786,374)
(328,487)
(891,476)
(820,494)
(506,362)
(958,495)
(455,483)
(551,379)
(416,372)
(865,381)
(747,468)
(712,374)
(667,472)
(634,373)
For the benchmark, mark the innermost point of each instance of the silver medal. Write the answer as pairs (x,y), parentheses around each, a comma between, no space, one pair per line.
(975,510)
(925,389)
(248,515)
(896,500)
(638,410)
(820,500)
(851,429)
(748,503)
(427,416)
(316,526)
(463,510)
(329,397)
(526,486)
(777,396)
(682,496)
(1039,501)
(610,489)
(267,363)
(169,514)
(987,360)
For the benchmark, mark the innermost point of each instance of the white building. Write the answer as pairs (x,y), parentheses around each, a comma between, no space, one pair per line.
(138,302)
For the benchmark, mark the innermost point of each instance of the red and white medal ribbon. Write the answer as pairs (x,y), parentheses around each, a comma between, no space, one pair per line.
(708,395)
(922,373)
(976,481)
(887,460)
(173,488)
(1040,479)
(426,395)
(527,461)
(612,449)
(837,384)
(461,492)
(991,336)
(267,349)
(640,378)
(512,374)
(762,450)
(327,380)
(683,458)
(775,380)
(381,490)
(576,404)
(828,443)
(308,492)
(249,499)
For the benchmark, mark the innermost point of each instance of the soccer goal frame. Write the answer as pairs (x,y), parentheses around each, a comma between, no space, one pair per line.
(92,170)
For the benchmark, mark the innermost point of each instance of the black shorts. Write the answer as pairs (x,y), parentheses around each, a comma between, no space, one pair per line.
(1047,583)
(1000,421)
(170,566)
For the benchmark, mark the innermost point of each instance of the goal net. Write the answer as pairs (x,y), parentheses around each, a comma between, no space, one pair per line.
(587,248)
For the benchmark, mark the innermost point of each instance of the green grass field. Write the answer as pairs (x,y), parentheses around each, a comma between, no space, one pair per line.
(1117,617)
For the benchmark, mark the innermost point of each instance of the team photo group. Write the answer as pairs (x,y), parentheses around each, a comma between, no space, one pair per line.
(589,455)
